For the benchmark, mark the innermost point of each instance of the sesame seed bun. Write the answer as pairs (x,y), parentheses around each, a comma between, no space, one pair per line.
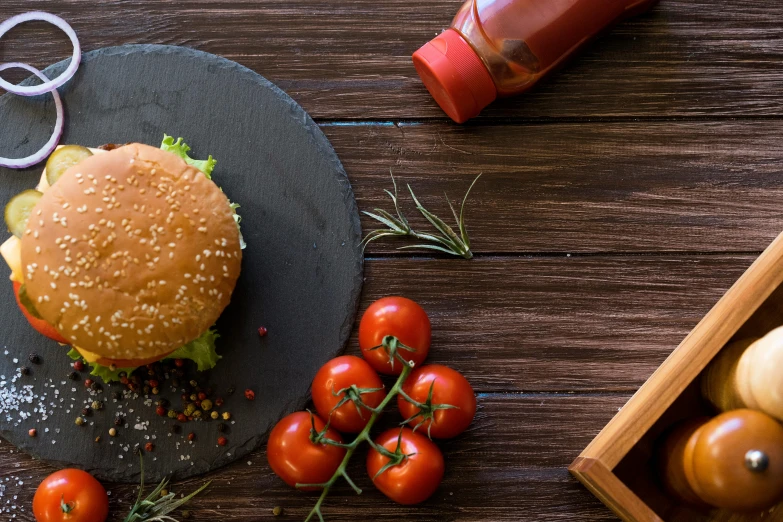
(131,254)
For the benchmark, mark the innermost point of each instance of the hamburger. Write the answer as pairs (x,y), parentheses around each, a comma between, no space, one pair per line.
(127,255)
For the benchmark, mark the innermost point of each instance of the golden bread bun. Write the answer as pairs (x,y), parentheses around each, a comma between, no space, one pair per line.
(132,253)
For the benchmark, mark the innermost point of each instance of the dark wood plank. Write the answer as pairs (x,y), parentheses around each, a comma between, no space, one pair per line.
(352,59)
(614,187)
(510,465)
(579,323)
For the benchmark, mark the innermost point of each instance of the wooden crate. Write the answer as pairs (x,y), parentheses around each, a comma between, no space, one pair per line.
(618,466)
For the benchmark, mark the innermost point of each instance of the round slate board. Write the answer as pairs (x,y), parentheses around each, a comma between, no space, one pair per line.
(301,273)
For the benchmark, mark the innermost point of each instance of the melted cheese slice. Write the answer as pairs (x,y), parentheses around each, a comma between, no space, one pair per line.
(11,250)
(88,356)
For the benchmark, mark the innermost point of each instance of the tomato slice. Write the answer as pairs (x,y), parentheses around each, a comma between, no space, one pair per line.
(41,326)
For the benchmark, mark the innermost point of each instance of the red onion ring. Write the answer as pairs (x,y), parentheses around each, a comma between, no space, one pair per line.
(48,85)
(58,125)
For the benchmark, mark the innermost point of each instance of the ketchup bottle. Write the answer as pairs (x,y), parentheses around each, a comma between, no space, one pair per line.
(503,47)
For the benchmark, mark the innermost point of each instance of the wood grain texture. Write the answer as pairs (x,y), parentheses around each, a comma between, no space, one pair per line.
(352,59)
(556,324)
(613,187)
(517,473)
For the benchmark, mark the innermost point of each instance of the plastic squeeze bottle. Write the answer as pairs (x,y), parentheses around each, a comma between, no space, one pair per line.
(503,47)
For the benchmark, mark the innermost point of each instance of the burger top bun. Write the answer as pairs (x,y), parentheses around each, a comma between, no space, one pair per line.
(132,253)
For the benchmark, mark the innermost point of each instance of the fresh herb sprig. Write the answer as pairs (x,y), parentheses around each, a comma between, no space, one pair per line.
(156,506)
(446,241)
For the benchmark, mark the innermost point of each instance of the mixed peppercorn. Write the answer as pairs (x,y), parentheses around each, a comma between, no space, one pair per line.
(197,402)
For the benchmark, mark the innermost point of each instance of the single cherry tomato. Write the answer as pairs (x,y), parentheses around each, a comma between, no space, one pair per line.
(70,495)
(343,372)
(414,479)
(394,317)
(450,388)
(296,459)
(41,326)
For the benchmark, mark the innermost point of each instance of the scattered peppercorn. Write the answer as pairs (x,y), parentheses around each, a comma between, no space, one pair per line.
(250,394)
(24,370)
(146,390)
(218,402)
(78,366)
(262,331)
(88,383)
(206,404)
(221,427)
(226,415)
(94,386)
(153,382)
(155,391)
(160,410)
(119,421)
(193,397)
(185,514)
(277,511)
(197,414)
(34,358)
(230,390)
(149,447)
(79,421)
(33,432)
(74,376)
(171,414)
(193,383)
(191,436)
(86,412)
(164,492)
(96,405)
(182,417)
(98,438)
(162,402)
(214,414)
(222,441)
(179,363)
(189,409)
(113,432)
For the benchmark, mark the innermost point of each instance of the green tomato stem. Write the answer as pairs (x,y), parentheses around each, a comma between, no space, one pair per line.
(363,436)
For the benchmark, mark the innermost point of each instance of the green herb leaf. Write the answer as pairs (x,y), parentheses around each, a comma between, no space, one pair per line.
(447,241)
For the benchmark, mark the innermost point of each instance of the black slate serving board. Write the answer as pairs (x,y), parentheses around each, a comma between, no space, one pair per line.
(301,274)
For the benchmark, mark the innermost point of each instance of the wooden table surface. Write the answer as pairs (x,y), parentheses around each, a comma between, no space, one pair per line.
(619,201)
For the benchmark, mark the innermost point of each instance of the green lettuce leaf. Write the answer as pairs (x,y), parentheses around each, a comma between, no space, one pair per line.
(181,149)
(201,351)
(99,370)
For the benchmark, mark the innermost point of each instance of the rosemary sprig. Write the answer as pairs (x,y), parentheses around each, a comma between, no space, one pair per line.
(447,241)
(156,507)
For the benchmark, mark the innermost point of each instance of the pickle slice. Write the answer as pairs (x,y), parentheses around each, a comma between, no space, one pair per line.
(18,210)
(64,158)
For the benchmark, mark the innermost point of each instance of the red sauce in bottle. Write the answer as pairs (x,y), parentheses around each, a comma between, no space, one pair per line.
(503,47)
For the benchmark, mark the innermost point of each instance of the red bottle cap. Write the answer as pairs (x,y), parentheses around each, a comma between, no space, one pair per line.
(455,75)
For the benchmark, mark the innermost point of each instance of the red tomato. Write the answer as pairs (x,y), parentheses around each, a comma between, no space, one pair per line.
(398,317)
(450,387)
(70,495)
(40,325)
(341,373)
(295,459)
(417,477)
